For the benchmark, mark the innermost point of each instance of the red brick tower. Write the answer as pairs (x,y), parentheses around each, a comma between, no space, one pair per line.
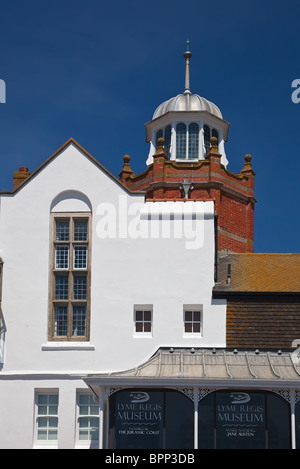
(188,163)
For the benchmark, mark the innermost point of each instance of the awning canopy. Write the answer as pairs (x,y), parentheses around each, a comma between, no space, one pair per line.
(208,368)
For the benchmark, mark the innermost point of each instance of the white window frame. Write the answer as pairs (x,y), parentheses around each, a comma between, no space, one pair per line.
(68,260)
(142,333)
(91,444)
(193,308)
(45,443)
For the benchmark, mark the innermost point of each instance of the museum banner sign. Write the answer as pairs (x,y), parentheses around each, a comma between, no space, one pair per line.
(240,419)
(139,419)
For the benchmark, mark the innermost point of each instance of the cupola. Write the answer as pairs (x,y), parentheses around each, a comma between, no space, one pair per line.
(187,122)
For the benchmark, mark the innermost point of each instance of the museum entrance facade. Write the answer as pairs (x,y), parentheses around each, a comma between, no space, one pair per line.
(217,419)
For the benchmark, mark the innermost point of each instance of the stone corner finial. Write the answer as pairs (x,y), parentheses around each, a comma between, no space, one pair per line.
(214,150)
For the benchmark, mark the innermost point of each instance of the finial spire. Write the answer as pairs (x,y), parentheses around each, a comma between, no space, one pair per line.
(187,56)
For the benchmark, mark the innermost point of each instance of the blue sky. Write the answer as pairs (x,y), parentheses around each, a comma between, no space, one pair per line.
(96,71)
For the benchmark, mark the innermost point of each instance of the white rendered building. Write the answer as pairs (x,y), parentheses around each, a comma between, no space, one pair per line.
(90,260)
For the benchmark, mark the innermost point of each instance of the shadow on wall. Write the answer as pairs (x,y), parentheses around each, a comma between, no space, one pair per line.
(2,339)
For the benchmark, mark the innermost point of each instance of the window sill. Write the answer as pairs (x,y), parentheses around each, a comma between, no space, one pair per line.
(187,160)
(68,346)
(87,446)
(191,335)
(45,446)
(142,335)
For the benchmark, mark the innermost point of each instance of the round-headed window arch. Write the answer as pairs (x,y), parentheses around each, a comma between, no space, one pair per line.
(71,201)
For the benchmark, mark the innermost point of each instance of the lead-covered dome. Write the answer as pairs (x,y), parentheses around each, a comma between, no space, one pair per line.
(187,102)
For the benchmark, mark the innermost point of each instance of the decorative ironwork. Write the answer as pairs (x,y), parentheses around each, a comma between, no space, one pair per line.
(189,392)
(203,392)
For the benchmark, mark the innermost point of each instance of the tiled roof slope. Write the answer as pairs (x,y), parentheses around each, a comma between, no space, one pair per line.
(255,272)
(263,300)
(262,322)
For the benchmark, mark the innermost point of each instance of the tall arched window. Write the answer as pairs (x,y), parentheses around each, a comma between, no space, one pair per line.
(159,134)
(168,131)
(193,140)
(70,268)
(206,130)
(187,141)
(214,133)
(166,134)
(181,141)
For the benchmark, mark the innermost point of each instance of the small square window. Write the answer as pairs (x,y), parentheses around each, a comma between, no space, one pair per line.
(143,321)
(192,322)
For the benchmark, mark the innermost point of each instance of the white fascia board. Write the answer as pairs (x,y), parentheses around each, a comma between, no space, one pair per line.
(212,383)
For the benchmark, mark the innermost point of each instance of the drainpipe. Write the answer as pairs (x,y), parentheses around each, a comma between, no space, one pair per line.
(196,406)
(216,246)
(101,417)
(293,424)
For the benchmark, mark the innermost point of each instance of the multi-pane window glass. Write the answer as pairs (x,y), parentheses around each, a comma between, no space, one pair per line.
(62,230)
(181,141)
(61,287)
(70,279)
(80,230)
(47,420)
(187,141)
(166,134)
(79,320)
(193,140)
(80,257)
(62,257)
(192,321)
(143,321)
(60,320)
(88,419)
(208,133)
(214,133)
(206,130)
(159,134)
(79,288)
